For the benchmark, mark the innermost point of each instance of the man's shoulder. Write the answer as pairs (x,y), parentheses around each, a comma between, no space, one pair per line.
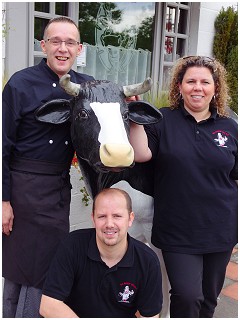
(23,73)
(77,239)
(81,233)
(82,77)
(144,250)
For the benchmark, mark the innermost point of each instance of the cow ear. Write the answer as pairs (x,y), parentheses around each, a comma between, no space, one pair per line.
(142,112)
(54,111)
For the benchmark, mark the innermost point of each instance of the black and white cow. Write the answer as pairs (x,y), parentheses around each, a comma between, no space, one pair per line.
(100,124)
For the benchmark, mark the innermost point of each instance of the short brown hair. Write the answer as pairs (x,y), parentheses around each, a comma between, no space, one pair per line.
(113,190)
(60,19)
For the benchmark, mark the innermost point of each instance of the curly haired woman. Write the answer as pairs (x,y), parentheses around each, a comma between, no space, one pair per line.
(195,200)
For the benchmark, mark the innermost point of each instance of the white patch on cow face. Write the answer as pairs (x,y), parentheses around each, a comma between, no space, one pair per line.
(115,150)
(111,123)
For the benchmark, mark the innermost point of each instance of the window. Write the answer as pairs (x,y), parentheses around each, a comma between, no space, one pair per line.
(42,6)
(174,37)
(124,42)
(117,39)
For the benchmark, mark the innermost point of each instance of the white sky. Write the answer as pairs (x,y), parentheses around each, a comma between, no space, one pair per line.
(133,14)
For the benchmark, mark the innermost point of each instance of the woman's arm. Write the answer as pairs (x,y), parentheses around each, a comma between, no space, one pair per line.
(139,141)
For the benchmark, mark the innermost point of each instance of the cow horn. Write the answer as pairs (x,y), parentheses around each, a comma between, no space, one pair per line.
(70,87)
(138,88)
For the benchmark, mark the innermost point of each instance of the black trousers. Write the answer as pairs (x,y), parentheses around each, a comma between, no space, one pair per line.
(196,282)
(20,301)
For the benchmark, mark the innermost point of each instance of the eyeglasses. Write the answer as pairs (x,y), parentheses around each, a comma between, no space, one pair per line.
(57,42)
(202,60)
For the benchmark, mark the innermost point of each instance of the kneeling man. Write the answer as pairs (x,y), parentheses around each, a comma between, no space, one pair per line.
(103,272)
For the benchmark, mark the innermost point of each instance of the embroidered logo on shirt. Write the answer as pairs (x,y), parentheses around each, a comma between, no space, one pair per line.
(126,293)
(221,138)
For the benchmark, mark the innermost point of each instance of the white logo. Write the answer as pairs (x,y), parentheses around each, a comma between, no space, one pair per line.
(221,140)
(126,294)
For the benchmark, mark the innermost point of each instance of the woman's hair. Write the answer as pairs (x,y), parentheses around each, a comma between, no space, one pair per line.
(221,98)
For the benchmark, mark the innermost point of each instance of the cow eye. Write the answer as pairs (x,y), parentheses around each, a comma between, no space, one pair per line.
(83,114)
(125,115)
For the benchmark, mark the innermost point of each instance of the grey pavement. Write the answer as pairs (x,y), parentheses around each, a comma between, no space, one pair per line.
(228,304)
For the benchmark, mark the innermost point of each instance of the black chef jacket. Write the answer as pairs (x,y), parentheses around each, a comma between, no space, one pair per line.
(23,136)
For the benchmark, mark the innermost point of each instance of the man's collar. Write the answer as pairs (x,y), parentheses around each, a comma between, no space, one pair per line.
(50,72)
(126,261)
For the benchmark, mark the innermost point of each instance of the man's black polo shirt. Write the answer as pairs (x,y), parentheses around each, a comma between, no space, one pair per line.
(90,288)
(195,195)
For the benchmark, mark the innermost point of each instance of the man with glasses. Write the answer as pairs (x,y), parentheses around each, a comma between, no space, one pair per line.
(36,162)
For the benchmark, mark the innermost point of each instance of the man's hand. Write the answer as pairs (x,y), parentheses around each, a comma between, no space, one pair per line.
(53,308)
(7,217)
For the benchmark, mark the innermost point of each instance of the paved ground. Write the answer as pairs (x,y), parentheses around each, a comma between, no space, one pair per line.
(228,300)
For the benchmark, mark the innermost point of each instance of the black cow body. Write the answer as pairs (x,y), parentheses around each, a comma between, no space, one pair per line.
(86,134)
(140,177)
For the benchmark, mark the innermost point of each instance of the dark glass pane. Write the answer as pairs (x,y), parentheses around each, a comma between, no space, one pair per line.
(39,26)
(170,19)
(42,6)
(181,43)
(182,22)
(61,8)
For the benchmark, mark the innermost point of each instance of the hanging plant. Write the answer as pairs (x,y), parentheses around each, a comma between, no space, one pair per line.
(85,196)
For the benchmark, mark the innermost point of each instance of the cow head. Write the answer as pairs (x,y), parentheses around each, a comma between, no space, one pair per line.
(100,116)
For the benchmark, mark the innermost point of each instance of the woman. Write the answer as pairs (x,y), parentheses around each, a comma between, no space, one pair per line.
(195,200)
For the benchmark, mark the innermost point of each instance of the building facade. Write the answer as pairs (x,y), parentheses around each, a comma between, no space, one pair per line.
(124,42)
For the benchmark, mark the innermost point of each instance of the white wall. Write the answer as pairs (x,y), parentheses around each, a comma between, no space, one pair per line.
(80,215)
(208,14)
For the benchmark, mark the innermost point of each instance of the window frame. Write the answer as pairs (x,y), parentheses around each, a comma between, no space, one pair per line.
(158,62)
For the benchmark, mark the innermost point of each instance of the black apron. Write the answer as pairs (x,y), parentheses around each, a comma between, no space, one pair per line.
(40,197)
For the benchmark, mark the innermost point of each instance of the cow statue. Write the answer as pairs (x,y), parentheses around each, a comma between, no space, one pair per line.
(100,127)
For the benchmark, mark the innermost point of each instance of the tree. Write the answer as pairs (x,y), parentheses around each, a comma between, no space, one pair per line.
(88,12)
(145,34)
(225,49)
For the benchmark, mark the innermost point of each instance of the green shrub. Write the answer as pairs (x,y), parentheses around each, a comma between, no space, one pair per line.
(158,98)
(232,68)
(225,49)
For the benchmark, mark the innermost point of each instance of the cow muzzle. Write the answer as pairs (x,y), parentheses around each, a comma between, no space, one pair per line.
(116,155)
